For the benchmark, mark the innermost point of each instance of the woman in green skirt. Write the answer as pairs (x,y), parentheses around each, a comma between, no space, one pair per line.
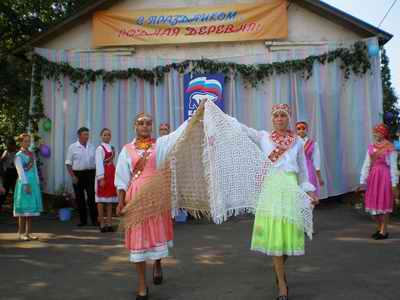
(286,200)
(27,195)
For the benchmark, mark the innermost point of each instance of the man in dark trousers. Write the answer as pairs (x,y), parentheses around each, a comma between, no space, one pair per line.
(81,167)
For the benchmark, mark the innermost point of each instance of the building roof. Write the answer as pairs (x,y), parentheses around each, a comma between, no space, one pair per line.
(347,20)
(321,8)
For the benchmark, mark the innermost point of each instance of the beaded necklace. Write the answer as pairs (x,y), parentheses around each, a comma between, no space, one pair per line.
(283,142)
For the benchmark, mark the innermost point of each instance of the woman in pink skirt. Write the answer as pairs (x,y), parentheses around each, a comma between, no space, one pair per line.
(137,164)
(380,176)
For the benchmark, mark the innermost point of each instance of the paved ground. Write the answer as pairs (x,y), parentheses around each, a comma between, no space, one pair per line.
(209,262)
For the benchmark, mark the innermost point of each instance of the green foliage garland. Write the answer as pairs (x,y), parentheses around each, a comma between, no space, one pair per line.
(354,59)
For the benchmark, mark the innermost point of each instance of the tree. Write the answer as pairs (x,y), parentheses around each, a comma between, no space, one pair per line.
(19,21)
(390,108)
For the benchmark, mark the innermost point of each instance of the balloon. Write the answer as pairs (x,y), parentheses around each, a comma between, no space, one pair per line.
(373,50)
(389,116)
(45,150)
(46,125)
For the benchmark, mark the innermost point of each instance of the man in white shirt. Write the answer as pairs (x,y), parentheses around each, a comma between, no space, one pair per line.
(81,166)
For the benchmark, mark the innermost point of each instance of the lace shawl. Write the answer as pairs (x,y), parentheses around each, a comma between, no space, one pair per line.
(213,170)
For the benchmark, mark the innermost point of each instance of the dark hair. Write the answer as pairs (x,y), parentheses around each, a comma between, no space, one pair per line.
(81,130)
(104,129)
(11,142)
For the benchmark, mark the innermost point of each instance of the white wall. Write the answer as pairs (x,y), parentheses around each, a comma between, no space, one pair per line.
(303,26)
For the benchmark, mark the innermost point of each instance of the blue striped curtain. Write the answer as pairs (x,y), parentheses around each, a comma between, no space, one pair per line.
(341,113)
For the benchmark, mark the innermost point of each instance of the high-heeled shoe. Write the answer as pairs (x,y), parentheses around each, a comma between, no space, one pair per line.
(157,279)
(143,297)
(282,297)
(381,236)
(375,234)
(287,287)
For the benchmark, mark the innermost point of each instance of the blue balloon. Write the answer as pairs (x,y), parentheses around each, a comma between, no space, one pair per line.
(389,116)
(373,50)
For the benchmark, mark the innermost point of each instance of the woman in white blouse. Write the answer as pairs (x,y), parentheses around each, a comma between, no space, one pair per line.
(137,164)
(106,193)
(284,211)
(313,156)
(379,175)
(27,194)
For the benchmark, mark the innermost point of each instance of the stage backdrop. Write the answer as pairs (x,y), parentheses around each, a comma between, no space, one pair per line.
(340,112)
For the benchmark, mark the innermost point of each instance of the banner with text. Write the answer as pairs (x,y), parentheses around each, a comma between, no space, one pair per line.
(234,22)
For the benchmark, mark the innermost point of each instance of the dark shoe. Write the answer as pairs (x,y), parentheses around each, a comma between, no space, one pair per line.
(157,279)
(277,286)
(95,224)
(110,229)
(145,297)
(103,229)
(375,234)
(283,297)
(81,224)
(381,236)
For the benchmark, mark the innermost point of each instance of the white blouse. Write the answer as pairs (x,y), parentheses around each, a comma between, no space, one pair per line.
(80,157)
(164,145)
(391,161)
(100,155)
(293,160)
(21,171)
(316,155)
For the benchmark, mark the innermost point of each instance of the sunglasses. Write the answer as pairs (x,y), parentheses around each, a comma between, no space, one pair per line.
(143,122)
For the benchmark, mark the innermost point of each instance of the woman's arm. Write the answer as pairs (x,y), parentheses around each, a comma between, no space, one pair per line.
(316,158)
(394,172)
(20,170)
(365,169)
(123,177)
(166,143)
(99,157)
(123,172)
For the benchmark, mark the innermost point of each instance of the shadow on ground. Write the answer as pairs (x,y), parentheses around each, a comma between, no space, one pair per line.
(208,262)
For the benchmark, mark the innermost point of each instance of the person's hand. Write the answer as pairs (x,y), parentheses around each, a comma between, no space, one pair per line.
(397,202)
(201,105)
(27,189)
(74,179)
(102,182)
(314,198)
(395,192)
(120,208)
(2,190)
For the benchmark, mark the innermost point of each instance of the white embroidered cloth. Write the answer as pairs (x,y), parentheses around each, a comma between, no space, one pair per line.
(217,170)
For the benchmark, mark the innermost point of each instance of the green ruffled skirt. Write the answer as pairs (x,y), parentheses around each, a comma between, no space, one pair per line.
(273,233)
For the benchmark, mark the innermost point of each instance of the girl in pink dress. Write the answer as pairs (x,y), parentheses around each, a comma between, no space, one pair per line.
(313,156)
(137,163)
(380,176)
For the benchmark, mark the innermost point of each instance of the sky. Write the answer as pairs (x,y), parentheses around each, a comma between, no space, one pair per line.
(372,12)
